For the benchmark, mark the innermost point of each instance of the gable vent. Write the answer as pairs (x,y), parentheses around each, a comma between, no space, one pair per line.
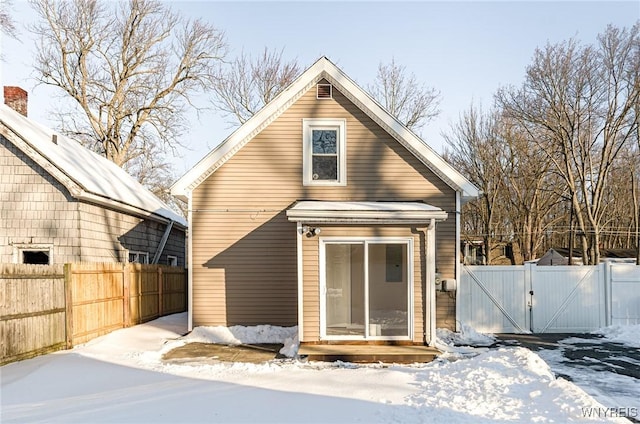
(324,91)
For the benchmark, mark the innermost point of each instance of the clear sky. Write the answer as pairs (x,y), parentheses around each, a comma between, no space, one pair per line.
(466,50)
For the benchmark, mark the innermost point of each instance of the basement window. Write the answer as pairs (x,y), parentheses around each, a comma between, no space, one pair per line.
(33,255)
(138,257)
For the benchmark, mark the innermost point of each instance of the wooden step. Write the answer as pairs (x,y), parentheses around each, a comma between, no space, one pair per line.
(368,353)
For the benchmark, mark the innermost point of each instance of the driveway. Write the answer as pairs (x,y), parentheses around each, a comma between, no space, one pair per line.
(608,371)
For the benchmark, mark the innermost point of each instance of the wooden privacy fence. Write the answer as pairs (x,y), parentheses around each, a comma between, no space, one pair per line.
(48,308)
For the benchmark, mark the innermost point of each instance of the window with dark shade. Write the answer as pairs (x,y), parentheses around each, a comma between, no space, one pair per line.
(35,257)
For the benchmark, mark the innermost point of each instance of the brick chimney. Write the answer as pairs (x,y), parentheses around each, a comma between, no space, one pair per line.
(16,99)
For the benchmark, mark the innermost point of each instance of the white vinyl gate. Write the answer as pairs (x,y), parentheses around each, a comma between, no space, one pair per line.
(625,294)
(548,299)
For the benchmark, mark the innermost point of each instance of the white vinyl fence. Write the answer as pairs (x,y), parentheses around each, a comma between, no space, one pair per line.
(624,294)
(548,299)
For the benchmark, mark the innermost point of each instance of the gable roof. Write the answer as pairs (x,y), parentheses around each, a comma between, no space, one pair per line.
(323,69)
(87,175)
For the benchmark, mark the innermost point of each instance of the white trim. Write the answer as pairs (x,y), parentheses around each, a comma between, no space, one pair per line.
(139,254)
(458,214)
(323,68)
(365,212)
(340,125)
(190,262)
(300,255)
(18,248)
(366,241)
(430,312)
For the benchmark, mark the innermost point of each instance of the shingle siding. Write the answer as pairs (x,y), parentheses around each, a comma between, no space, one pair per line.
(36,209)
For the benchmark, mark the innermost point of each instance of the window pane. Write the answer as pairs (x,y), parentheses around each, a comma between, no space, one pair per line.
(345,289)
(40,257)
(325,168)
(388,303)
(324,141)
(395,260)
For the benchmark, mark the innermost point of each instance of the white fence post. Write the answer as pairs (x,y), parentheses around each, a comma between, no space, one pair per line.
(529,294)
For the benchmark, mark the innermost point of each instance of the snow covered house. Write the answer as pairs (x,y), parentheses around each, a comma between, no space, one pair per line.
(324,211)
(60,202)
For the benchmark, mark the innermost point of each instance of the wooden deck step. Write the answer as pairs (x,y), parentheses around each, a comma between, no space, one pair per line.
(368,353)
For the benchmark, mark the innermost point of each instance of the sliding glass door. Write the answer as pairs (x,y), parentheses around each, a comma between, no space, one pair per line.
(366,288)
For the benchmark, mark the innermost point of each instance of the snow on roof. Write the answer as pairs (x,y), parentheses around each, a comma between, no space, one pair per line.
(328,211)
(364,206)
(93,173)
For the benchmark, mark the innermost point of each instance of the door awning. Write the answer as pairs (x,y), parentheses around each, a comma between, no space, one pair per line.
(310,211)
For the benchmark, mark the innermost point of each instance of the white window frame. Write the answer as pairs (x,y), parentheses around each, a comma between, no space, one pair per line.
(366,241)
(19,248)
(308,125)
(172,260)
(138,255)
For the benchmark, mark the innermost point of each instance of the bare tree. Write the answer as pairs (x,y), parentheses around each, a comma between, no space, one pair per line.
(248,83)
(474,151)
(414,104)
(131,69)
(530,188)
(578,103)
(7,24)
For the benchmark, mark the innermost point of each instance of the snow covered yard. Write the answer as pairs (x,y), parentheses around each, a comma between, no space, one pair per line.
(122,378)
(606,367)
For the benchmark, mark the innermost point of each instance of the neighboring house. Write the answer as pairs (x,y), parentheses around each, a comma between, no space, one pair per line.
(502,252)
(560,256)
(60,202)
(323,211)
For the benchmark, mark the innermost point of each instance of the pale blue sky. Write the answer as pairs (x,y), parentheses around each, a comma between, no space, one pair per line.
(466,50)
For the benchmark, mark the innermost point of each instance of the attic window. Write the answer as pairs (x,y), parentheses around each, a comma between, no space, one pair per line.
(324,91)
(324,161)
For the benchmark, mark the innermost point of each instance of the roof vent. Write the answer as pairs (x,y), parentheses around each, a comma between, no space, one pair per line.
(54,138)
(324,91)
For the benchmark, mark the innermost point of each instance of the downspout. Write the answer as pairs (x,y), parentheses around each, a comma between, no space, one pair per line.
(430,290)
(457,256)
(163,242)
(189,262)
(300,282)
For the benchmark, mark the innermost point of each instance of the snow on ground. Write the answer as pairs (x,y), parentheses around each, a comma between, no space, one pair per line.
(596,374)
(120,377)
(625,334)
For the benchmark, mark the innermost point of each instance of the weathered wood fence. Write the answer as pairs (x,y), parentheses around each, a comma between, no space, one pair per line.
(48,308)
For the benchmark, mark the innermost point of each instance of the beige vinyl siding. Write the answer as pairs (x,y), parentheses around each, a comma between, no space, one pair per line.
(243,246)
